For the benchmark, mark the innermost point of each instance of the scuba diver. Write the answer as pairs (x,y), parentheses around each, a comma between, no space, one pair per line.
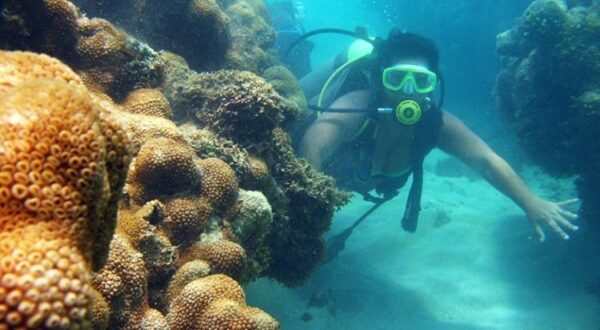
(380,113)
(285,19)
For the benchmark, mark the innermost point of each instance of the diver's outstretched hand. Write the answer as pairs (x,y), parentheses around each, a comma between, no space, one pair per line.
(552,215)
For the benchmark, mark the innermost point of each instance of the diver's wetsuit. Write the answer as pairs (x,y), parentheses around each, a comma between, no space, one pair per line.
(351,163)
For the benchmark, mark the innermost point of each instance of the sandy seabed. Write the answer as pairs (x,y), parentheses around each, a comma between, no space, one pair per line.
(473,263)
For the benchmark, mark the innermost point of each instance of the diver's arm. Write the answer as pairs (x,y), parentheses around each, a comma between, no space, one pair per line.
(458,140)
(330,130)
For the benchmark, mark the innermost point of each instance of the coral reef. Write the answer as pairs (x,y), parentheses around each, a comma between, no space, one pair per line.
(195,29)
(285,84)
(251,36)
(216,302)
(188,218)
(164,167)
(150,102)
(123,283)
(223,257)
(309,201)
(213,195)
(228,101)
(220,185)
(63,163)
(107,59)
(549,89)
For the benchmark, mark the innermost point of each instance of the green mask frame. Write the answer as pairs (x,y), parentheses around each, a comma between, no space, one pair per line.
(399,77)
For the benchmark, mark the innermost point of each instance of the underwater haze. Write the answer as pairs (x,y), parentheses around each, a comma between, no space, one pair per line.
(163,164)
(474,262)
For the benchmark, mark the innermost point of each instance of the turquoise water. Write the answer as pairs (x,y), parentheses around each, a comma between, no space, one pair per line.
(473,262)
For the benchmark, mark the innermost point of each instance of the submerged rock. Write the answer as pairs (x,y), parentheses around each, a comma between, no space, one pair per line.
(548,90)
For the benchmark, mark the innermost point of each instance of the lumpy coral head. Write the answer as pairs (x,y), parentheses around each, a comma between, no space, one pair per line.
(57,148)
(62,165)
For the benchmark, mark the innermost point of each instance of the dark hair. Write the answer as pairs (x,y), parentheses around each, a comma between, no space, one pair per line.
(400,44)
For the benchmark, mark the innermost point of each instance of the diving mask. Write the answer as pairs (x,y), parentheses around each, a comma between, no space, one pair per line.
(409,78)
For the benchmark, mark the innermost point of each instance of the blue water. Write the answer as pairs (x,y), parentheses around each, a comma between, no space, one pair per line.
(473,263)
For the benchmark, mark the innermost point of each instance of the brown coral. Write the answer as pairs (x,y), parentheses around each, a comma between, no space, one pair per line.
(100,312)
(259,174)
(164,167)
(187,273)
(207,144)
(141,229)
(224,257)
(150,102)
(123,283)
(196,29)
(227,314)
(187,219)
(239,106)
(99,42)
(187,308)
(219,184)
(54,31)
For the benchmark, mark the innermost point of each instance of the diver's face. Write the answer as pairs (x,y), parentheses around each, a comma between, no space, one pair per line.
(409,79)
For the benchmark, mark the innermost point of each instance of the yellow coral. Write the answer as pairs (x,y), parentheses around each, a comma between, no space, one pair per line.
(153,320)
(17,67)
(45,281)
(195,297)
(219,183)
(187,273)
(223,256)
(227,314)
(150,102)
(140,128)
(57,197)
(216,302)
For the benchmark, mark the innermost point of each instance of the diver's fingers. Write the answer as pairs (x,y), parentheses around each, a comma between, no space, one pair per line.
(568,202)
(554,225)
(567,214)
(539,231)
(566,224)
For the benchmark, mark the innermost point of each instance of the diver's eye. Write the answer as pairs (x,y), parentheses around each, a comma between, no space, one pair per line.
(423,80)
(396,77)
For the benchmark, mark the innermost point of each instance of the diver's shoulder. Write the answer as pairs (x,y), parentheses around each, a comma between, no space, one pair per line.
(355,99)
